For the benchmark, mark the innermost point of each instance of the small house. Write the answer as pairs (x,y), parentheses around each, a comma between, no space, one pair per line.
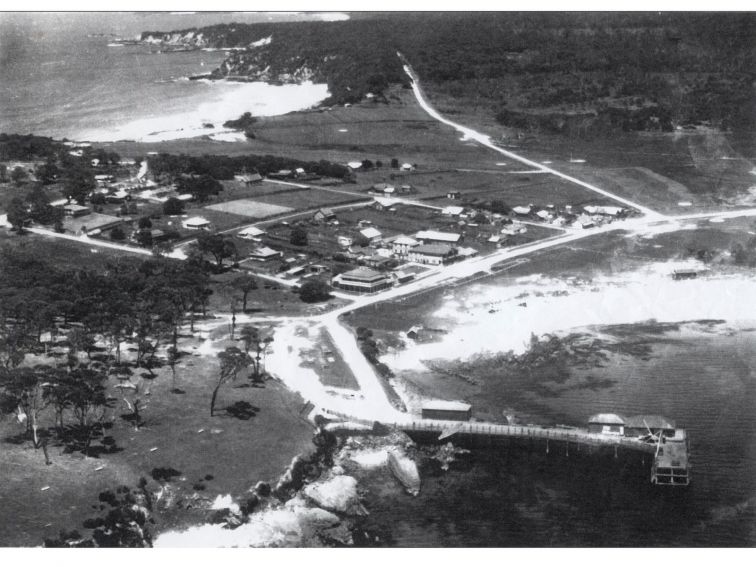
(454,195)
(196,223)
(344,241)
(452,211)
(249,178)
(407,167)
(403,277)
(354,165)
(294,272)
(371,233)
(522,210)
(584,221)
(406,189)
(446,410)
(414,332)
(436,236)
(264,254)
(251,233)
(75,210)
(403,244)
(606,423)
(685,274)
(323,214)
(281,174)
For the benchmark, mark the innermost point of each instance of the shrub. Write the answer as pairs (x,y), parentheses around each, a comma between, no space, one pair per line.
(313,291)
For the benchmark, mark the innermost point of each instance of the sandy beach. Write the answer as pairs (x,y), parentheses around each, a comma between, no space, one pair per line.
(227,100)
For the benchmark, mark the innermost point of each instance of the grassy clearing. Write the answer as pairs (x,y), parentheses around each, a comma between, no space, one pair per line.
(236,452)
(309,199)
(249,208)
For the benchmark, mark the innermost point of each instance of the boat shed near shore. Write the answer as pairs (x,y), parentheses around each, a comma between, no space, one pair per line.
(446,410)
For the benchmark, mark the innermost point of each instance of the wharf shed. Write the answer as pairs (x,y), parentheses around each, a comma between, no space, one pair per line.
(607,423)
(446,410)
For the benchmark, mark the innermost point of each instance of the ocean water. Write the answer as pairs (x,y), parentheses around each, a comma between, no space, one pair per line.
(522,497)
(60,78)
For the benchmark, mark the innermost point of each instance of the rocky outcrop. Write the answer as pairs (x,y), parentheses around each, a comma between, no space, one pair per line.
(338,494)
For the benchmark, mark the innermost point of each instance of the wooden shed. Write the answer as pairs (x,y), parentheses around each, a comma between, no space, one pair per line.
(447,410)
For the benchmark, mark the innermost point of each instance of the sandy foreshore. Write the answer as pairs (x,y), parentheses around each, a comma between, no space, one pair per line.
(226,101)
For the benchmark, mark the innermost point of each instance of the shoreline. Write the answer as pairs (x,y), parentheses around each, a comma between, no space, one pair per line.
(207,117)
(502,317)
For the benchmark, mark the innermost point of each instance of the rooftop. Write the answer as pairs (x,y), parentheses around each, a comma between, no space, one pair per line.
(433,249)
(445,405)
(363,274)
(607,419)
(437,235)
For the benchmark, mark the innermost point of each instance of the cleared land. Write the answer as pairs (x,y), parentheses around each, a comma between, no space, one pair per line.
(236,452)
(249,208)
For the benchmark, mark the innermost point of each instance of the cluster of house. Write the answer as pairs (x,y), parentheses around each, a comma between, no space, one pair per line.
(588,216)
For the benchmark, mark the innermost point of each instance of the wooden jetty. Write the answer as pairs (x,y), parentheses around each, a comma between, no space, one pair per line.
(658,437)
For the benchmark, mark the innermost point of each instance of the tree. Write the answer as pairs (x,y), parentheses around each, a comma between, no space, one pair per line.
(47,173)
(255,340)
(394,163)
(144,238)
(133,395)
(500,207)
(78,184)
(298,236)
(18,175)
(219,246)
(367,164)
(144,223)
(117,233)
(173,206)
(22,392)
(244,283)
(313,291)
(98,199)
(3,173)
(40,209)
(232,361)
(18,214)
(201,187)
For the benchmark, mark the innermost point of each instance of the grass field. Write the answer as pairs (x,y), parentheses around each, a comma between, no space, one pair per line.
(249,208)
(236,452)
(309,199)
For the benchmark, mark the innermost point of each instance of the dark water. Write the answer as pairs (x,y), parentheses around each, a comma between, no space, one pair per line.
(518,496)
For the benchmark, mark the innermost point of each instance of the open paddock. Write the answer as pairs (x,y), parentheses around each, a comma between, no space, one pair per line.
(405,219)
(249,208)
(310,198)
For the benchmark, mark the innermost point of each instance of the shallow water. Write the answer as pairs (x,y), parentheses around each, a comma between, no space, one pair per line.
(523,497)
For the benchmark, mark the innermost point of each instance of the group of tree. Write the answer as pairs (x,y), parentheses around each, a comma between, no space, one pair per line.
(194,170)
(217,246)
(142,302)
(72,396)
(660,57)
(34,207)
